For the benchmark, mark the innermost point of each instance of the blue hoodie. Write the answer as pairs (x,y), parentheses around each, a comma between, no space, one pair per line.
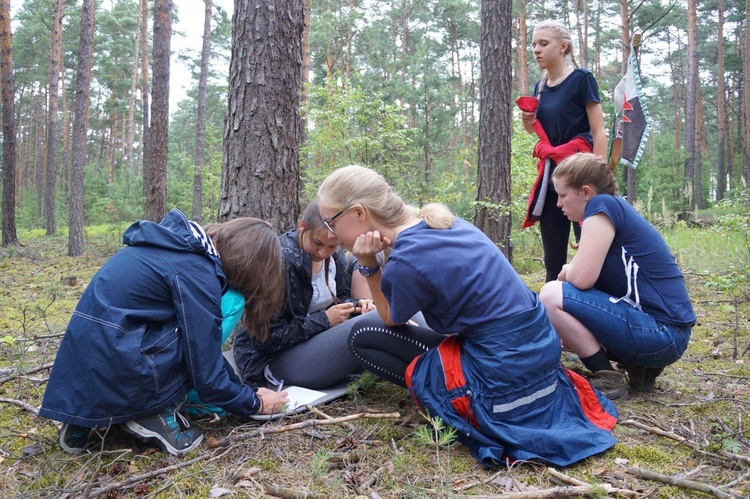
(147,330)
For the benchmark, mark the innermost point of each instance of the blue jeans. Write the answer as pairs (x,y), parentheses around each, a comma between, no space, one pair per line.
(633,336)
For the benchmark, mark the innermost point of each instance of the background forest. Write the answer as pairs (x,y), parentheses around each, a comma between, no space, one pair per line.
(392,84)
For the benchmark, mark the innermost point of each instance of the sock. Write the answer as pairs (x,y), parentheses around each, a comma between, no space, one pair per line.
(597,362)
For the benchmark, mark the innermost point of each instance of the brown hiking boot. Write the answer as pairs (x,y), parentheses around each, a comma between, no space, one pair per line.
(611,384)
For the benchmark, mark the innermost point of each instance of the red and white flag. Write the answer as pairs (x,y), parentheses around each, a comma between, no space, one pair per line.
(636,122)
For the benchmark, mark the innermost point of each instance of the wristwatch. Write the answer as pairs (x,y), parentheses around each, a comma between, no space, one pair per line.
(369,271)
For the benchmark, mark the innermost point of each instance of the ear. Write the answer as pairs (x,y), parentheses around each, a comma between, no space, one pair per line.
(302,226)
(361,212)
(587,192)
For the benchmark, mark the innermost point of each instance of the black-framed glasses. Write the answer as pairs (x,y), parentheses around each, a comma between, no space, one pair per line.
(328,221)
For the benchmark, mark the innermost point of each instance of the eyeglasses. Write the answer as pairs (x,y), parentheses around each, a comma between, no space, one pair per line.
(329,221)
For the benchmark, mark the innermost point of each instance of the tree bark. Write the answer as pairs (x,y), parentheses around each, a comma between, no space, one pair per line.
(721,112)
(692,91)
(492,214)
(746,98)
(260,173)
(10,237)
(52,100)
(143,8)
(155,176)
(80,129)
(200,122)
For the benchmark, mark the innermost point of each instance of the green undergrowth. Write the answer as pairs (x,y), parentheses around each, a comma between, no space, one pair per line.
(704,398)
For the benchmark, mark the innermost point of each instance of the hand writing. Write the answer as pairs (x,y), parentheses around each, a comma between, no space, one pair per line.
(272,401)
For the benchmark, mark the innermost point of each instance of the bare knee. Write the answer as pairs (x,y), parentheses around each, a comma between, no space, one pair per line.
(551,295)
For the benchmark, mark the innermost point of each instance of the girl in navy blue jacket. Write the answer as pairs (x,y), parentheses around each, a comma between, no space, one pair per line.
(148,329)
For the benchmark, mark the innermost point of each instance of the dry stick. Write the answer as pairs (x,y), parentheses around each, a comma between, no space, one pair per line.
(371,479)
(657,431)
(307,424)
(30,371)
(21,404)
(479,482)
(679,482)
(573,491)
(285,493)
(136,479)
(609,489)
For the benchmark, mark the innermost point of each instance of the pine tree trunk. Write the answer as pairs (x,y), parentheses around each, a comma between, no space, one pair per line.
(746,98)
(260,174)
(80,129)
(721,112)
(144,86)
(155,176)
(130,138)
(52,100)
(690,97)
(200,125)
(493,175)
(10,237)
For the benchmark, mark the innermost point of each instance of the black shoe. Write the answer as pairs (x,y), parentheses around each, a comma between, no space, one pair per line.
(73,439)
(642,379)
(164,429)
(611,384)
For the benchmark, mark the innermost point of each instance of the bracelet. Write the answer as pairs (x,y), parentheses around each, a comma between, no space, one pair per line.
(261,405)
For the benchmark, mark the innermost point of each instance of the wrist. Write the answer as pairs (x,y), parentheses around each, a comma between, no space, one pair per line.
(369,271)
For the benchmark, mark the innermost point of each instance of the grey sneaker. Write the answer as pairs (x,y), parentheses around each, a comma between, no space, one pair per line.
(642,379)
(611,384)
(73,439)
(166,431)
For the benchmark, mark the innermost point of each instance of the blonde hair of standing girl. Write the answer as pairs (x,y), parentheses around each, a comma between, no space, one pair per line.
(561,33)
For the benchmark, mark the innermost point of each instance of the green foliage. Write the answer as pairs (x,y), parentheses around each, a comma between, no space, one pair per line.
(350,126)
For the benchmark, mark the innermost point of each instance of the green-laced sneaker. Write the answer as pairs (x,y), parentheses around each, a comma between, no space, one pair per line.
(642,379)
(73,439)
(611,384)
(166,431)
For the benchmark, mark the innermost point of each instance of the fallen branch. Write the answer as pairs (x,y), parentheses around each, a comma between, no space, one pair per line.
(23,405)
(658,431)
(285,493)
(309,423)
(573,491)
(29,371)
(136,479)
(609,489)
(679,482)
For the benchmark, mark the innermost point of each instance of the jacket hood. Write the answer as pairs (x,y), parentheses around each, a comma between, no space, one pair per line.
(175,233)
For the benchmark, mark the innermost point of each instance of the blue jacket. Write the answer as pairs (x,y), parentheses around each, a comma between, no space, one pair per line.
(146,330)
(293,325)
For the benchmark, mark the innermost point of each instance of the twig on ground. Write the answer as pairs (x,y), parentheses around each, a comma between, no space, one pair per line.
(306,424)
(20,403)
(572,491)
(727,456)
(608,488)
(679,482)
(136,479)
(479,482)
(703,373)
(285,493)
(33,370)
(366,484)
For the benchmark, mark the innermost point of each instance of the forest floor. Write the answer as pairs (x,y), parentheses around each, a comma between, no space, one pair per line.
(690,437)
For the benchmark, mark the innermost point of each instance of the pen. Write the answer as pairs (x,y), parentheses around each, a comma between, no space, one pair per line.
(281,385)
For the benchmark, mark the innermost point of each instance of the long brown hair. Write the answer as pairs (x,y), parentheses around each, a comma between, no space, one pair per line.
(251,259)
